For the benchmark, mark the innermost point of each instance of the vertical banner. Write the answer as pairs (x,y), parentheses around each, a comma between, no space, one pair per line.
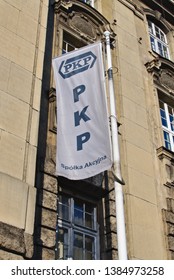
(83,140)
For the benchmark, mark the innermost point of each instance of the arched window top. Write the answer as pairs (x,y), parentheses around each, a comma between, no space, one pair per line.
(158,39)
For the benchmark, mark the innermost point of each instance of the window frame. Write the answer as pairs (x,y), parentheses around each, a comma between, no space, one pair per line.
(155,40)
(73,227)
(167,129)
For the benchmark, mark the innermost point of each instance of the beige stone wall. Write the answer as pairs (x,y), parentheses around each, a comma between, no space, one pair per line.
(22,43)
(143,211)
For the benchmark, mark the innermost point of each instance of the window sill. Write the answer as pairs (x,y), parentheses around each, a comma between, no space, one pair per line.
(167,166)
(162,153)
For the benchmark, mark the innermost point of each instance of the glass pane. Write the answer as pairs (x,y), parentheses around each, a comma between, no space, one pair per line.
(170,109)
(63,212)
(163,117)
(89,208)
(162,113)
(161,103)
(150,27)
(78,212)
(63,207)
(160,49)
(157,32)
(167,140)
(164,122)
(70,48)
(171,122)
(165,52)
(64,50)
(89,248)
(88,220)
(78,246)
(89,215)
(152,43)
(62,252)
(162,36)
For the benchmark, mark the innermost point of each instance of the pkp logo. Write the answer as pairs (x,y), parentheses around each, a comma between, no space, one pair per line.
(77,64)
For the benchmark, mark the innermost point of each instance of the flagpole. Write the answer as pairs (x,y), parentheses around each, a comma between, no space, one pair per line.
(118,182)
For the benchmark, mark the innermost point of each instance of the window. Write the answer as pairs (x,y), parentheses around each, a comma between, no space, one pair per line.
(89,2)
(77,230)
(67,47)
(167,120)
(70,43)
(158,40)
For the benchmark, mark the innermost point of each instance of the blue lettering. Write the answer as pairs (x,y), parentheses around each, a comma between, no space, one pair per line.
(77,65)
(78,116)
(67,67)
(87,59)
(77,91)
(81,139)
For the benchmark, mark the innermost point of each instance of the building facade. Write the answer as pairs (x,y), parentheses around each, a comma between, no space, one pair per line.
(45,217)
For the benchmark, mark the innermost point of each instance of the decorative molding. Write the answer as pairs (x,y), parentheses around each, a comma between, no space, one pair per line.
(163,72)
(83,25)
(167,166)
(167,79)
(82,20)
(162,153)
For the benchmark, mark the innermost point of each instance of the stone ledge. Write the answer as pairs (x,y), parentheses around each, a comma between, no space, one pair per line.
(9,256)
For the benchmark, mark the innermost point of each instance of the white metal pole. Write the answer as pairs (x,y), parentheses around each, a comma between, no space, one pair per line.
(121,230)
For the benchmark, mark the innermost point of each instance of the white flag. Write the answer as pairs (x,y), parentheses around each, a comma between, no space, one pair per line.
(83,140)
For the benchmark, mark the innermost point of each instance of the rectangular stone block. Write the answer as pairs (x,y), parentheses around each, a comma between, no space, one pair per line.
(34,127)
(48,237)
(37,94)
(8,16)
(27,27)
(124,10)
(31,8)
(146,226)
(20,82)
(49,218)
(136,135)
(129,54)
(141,185)
(4,73)
(12,151)
(50,183)
(9,256)
(134,112)
(13,115)
(133,92)
(13,201)
(21,51)
(44,16)
(11,238)
(139,159)
(30,211)
(47,200)
(125,23)
(15,3)
(39,67)
(131,73)
(42,37)
(31,164)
